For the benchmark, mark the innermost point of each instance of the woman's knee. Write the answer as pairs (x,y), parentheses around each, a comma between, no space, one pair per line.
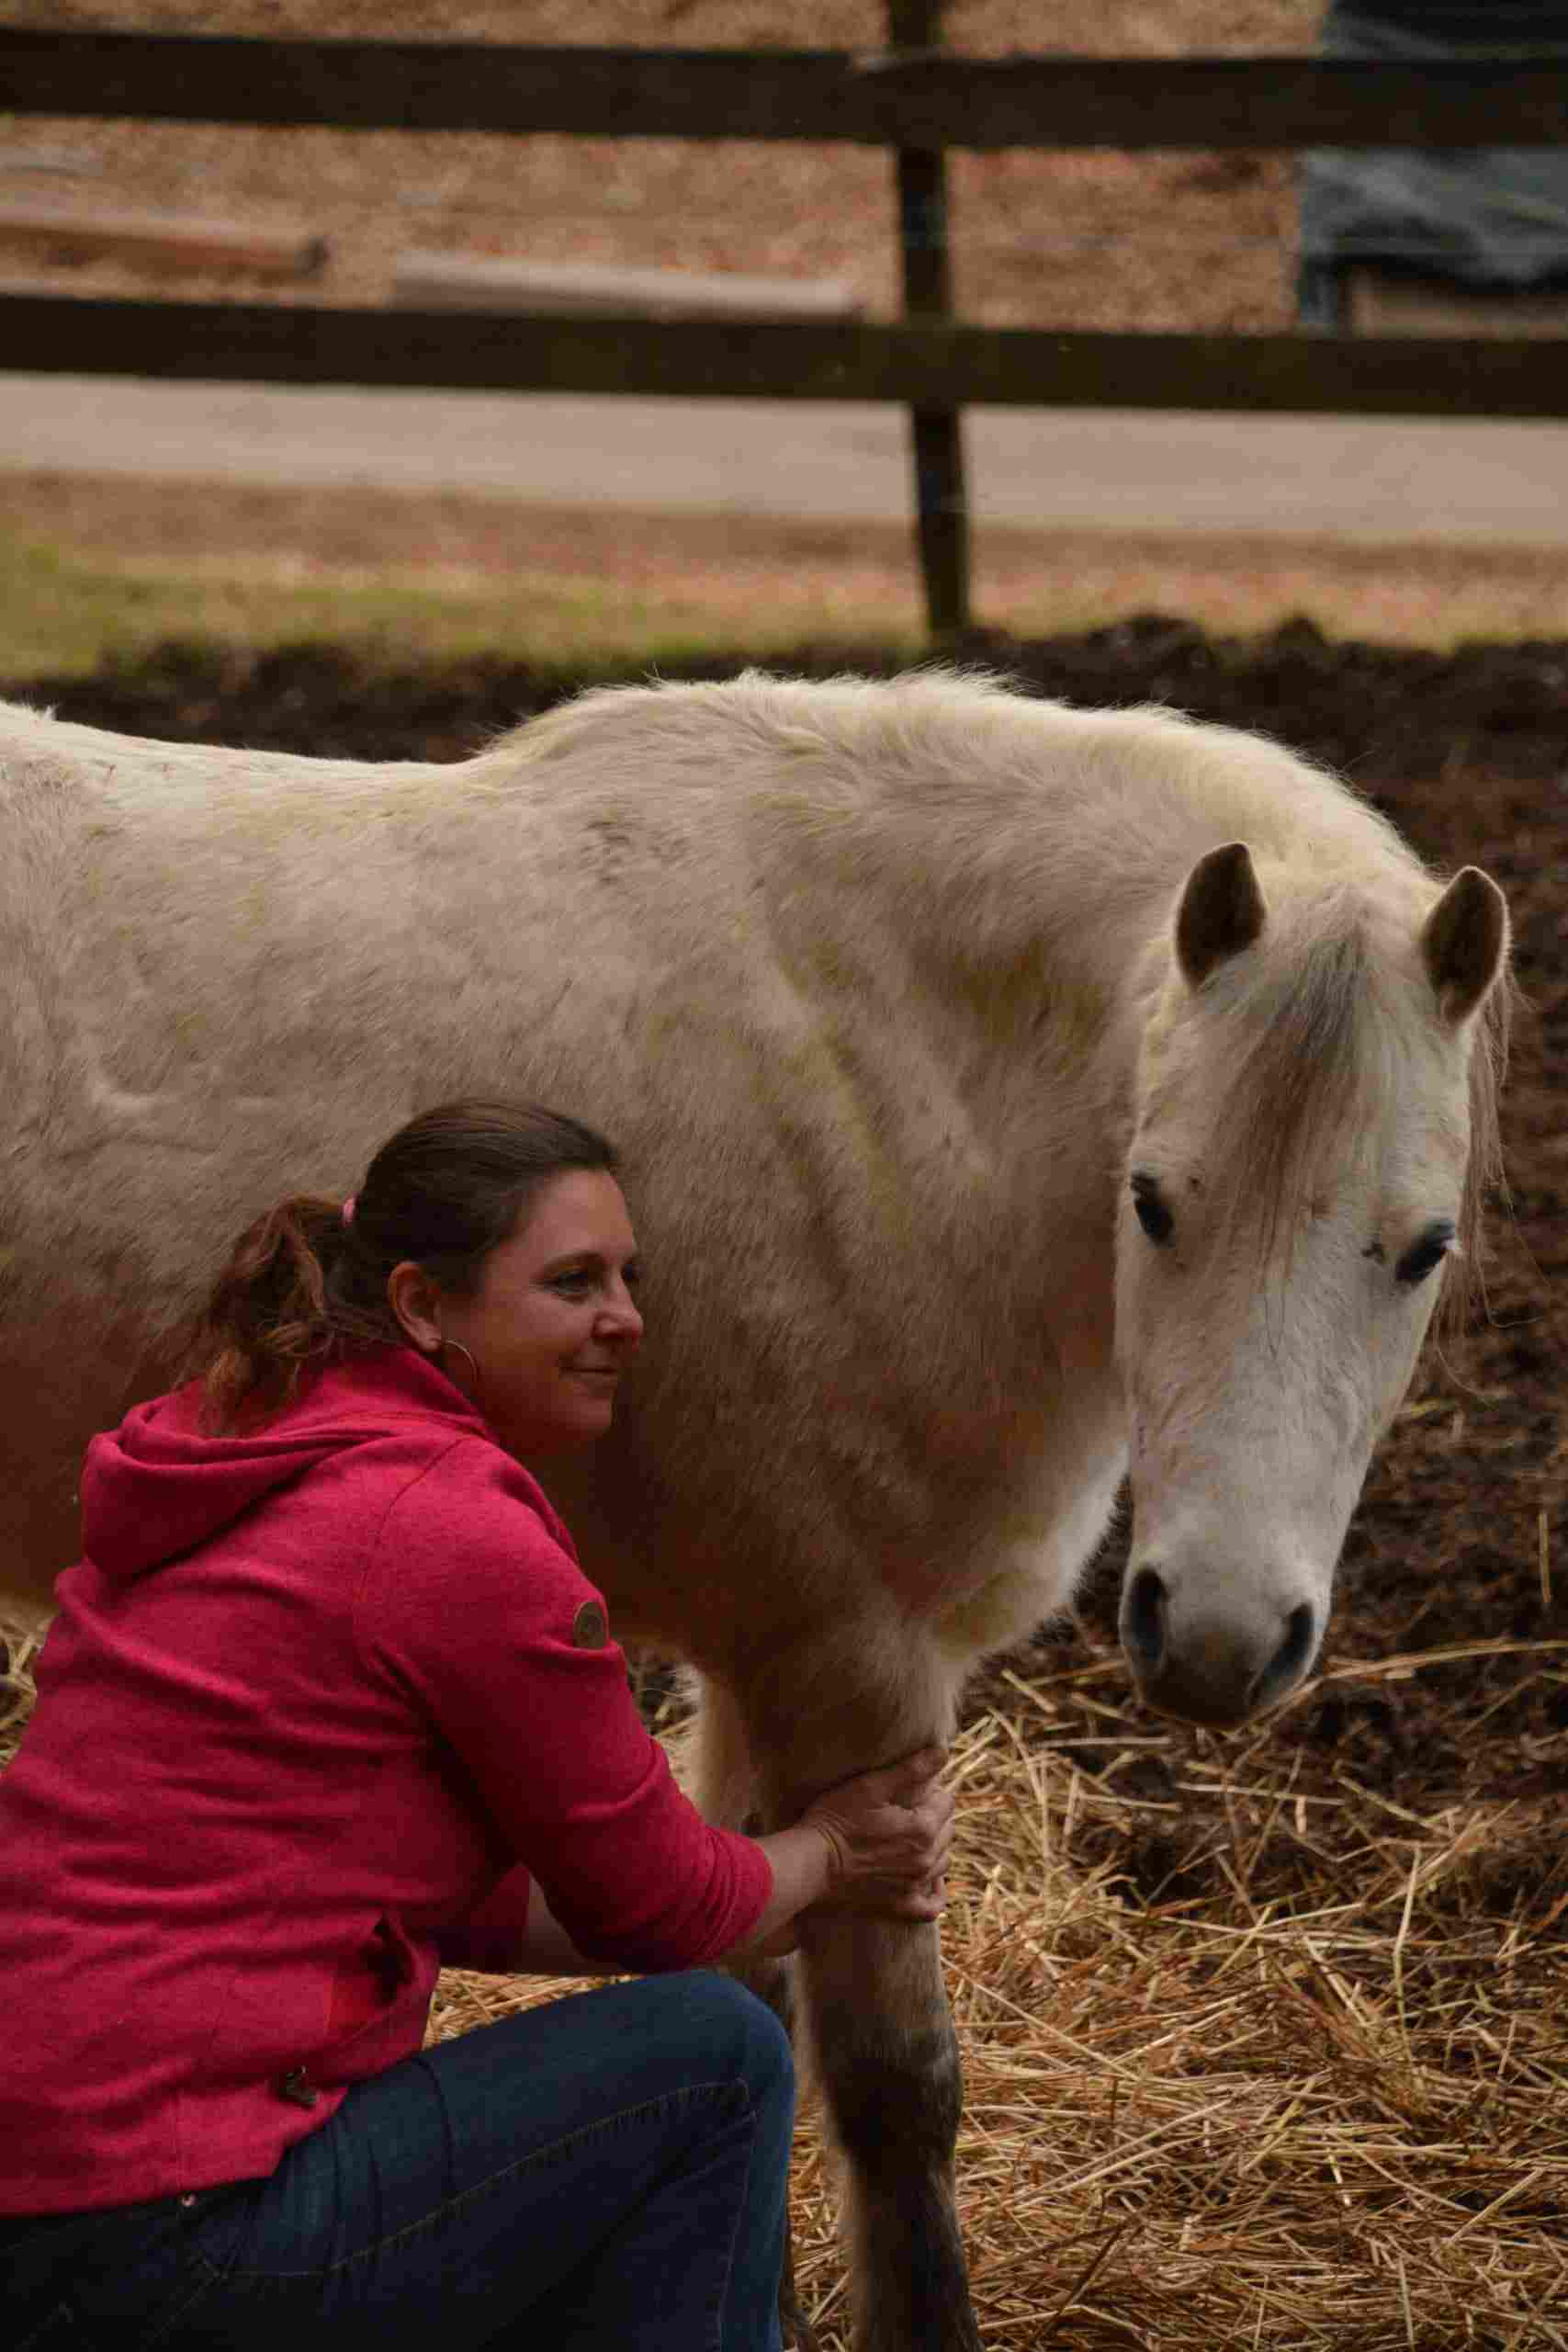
(726,2017)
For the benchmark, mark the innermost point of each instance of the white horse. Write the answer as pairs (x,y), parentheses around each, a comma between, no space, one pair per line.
(1011,1096)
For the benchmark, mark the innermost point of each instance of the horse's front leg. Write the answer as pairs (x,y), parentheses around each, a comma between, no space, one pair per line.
(724,1784)
(887,2054)
(889,2060)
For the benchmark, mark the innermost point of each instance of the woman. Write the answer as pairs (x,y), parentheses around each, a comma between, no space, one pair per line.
(329,1701)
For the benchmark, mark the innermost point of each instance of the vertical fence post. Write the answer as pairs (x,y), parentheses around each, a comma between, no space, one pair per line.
(937,435)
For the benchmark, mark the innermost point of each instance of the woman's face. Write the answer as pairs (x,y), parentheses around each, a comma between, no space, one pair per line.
(553,1325)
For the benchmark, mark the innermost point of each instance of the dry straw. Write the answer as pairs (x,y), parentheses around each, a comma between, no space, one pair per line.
(1249,2063)
(1311,2091)
(19,1642)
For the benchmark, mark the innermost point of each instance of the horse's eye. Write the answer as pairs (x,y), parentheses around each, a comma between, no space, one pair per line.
(1422,1256)
(1150,1210)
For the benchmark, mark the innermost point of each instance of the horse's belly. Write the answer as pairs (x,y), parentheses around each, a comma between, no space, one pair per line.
(61,1377)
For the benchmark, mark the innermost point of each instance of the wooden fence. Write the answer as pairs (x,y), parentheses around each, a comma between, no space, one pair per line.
(912,97)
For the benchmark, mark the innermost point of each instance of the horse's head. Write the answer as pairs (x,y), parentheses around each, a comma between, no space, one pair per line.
(1314,1121)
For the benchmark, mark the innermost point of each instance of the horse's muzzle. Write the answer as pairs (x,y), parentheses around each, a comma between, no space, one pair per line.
(1213,1668)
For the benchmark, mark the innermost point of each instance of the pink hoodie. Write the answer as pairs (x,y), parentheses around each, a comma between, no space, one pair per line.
(311,1699)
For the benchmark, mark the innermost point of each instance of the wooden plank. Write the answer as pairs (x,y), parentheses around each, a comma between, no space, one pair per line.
(875,98)
(169,240)
(913,365)
(434,281)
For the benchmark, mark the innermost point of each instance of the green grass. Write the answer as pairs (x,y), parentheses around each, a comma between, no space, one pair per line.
(70,607)
(66,613)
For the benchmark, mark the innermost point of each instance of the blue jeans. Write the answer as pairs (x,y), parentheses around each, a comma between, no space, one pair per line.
(608,2172)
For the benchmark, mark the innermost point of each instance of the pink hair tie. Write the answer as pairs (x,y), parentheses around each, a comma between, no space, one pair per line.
(348,1208)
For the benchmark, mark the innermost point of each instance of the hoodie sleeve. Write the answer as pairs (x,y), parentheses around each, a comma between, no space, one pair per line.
(472,1609)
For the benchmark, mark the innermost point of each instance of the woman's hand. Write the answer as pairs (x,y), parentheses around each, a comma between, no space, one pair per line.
(888,1833)
(876,1843)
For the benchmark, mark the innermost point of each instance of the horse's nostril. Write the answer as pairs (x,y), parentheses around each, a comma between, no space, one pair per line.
(1290,1661)
(1142,1621)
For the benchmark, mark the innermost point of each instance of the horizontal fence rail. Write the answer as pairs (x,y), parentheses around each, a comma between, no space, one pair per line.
(913,365)
(879,98)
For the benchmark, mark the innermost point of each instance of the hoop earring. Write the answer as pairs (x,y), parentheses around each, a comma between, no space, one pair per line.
(462,1351)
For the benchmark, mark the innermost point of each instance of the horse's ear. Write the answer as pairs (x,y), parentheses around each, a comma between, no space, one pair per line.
(1463,943)
(1222,911)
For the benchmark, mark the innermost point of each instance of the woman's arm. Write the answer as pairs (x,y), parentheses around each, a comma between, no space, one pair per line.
(801,1862)
(876,1843)
(472,1612)
(545,1949)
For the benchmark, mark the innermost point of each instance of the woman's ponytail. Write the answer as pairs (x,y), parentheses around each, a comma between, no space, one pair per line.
(269,1316)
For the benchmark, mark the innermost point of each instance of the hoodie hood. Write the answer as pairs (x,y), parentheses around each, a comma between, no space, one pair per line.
(158,1485)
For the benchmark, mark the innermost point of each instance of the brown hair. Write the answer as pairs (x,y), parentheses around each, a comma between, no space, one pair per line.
(305,1284)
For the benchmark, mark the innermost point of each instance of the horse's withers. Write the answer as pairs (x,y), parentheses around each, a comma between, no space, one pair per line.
(1298,1173)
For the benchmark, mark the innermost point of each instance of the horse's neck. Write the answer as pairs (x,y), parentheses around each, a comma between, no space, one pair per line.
(1014,932)
(1022,913)
(969,994)
(1058,875)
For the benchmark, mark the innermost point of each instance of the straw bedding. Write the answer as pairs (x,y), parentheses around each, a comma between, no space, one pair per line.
(1265,2033)
(1256,2054)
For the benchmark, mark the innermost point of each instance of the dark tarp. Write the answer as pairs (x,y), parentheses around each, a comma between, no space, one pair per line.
(1488,218)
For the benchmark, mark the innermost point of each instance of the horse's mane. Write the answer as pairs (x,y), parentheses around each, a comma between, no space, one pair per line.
(1311,1036)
